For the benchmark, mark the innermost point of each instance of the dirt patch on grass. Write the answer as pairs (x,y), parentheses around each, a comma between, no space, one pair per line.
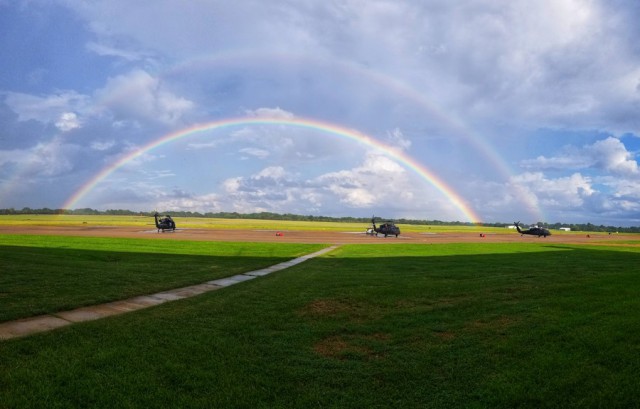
(348,346)
(331,347)
(328,307)
(363,347)
(445,335)
(347,309)
(498,325)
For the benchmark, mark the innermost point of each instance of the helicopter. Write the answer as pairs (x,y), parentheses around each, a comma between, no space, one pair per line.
(387,228)
(164,223)
(534,231)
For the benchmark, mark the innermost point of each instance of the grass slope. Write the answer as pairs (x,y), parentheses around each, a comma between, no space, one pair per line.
(415,326)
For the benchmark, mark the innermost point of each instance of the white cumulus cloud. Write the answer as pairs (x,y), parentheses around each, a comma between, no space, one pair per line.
(608,154)
(138,95)
(68,121)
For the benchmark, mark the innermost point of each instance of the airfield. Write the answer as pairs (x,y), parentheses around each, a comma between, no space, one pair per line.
(524,322)
(323,237)
(333,238)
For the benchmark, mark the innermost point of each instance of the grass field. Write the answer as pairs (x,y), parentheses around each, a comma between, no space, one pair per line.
(412,326)
(44,274)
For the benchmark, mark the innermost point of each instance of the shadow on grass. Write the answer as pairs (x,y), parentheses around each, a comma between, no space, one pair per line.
(38,280)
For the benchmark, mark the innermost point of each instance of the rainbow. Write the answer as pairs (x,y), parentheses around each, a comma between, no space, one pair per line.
(350,134)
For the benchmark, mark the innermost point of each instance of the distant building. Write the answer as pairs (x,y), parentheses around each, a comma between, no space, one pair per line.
(565,228)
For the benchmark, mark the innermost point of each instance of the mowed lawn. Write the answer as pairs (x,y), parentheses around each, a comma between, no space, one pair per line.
(410,326)
(45,274)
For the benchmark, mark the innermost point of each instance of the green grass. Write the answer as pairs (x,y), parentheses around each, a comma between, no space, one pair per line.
(44,274)
(412,326)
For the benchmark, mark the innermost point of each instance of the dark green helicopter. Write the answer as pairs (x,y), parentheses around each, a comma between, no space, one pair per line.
(534,231)
(164,223)
(387,228)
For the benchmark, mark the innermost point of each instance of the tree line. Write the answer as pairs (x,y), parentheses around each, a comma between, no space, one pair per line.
(296,217)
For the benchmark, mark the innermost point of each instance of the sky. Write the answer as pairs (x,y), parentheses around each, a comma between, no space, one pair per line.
(492,111)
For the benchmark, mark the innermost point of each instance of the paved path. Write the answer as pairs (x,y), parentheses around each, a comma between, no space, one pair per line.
(28,326)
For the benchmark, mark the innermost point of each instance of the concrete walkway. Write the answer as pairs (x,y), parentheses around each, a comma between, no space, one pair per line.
(28,326)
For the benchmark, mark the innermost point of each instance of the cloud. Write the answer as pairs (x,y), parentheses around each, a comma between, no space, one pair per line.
(199,28)
(113,51)
(608,154)
(177,200)
(396,139)
(137,95)
(611,155)
(254,152)
(557,162)
(270,113)
(543,63)
(625,189)
(205,145)
(578,198)
(270,189)
(44,160)
(562,192)
(102,145)
(68,121)
(275,173)
(57,108)
(376,180)
(11,158)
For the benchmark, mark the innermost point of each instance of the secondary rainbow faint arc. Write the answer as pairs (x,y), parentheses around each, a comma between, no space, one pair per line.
(355,135)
